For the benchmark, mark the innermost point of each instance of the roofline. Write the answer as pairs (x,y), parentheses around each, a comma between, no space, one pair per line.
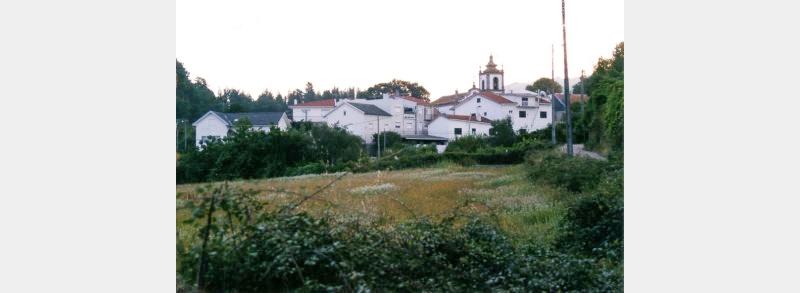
(206,114)
(470,121)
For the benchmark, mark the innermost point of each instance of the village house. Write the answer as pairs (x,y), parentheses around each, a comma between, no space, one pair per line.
(528,111)
(313,111)
(452,127)
(217,124)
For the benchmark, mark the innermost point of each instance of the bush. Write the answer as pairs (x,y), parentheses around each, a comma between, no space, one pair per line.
(246,153)
(251,249)
(575,174)
(467,144)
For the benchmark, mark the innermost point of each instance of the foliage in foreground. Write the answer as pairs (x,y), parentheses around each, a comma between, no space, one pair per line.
(249,248)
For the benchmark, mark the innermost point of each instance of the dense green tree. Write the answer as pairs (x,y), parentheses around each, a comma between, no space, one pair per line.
(266,102)
(396,85)
(193,99)
(545,84)
(310,94)
(236,101)
(502,133)
(603,120)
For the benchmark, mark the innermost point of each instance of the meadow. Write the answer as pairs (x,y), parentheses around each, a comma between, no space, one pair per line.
(501,194)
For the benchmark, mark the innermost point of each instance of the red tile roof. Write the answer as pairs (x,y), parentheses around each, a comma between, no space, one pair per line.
(496,98)
(443,100)
(467,118)
(320,103)
(417,100)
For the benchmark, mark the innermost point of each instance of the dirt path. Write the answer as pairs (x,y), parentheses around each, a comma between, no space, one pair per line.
(578,150)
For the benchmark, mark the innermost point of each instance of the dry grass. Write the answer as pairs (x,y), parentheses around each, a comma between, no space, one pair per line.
(389,197)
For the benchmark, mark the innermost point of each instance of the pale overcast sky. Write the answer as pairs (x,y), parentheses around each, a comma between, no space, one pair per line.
(280,45)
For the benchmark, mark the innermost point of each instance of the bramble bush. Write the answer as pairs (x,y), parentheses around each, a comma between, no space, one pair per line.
(574,174)
(248,248)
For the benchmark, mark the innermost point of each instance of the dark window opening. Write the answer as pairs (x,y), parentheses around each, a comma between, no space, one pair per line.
(479,100)
(522,114)
(496,84)
(473,131)
(457,131)
(542,114)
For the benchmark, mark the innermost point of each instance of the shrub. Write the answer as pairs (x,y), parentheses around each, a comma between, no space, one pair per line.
(467,144)
(575,174)
(251,249)
(502,133)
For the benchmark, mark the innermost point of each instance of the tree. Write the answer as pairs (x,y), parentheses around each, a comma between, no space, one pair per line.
(545,84)
(396,85)
(236,101)
(603,120)
(193,99)
(502,133)
(268,103)
(310,95)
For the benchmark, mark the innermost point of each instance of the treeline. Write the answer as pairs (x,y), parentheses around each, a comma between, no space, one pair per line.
(193,98)
(308,148)
(600,122)
(243,247)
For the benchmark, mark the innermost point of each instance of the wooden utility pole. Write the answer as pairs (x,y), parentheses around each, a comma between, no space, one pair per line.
(566,81)
(553,95)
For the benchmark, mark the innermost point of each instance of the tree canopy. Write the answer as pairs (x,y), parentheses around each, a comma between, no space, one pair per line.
(396,85)
(545,84)
(603,119)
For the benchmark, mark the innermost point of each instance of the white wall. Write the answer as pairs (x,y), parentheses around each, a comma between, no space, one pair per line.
(210,125)
(492,109)
(356,123)
(311,114)
(444,127)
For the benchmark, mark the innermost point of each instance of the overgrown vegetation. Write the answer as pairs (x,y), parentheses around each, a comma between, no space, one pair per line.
(250,247)
(602,124)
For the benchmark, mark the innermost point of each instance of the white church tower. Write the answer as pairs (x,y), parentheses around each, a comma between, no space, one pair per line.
(491,79)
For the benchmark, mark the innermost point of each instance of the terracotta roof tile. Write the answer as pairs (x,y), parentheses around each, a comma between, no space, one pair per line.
(417,100)
(444,100)
(496,98)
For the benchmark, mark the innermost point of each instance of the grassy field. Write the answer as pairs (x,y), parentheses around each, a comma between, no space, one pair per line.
(501,194)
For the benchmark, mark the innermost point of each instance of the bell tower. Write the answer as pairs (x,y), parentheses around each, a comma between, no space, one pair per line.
(491,79)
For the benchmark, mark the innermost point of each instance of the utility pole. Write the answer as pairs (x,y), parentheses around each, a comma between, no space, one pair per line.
(566,81)
(553,95)
(378,138)
(583,91)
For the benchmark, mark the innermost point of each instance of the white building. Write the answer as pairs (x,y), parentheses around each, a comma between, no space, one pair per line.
(528,111)
(314,111)
(217,124)
(405,115)
(455,126)
(362,120)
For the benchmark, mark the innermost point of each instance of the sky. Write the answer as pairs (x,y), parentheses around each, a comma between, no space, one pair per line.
(280,45)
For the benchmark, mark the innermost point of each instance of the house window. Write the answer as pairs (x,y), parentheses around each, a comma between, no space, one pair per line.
(344,113)
(522,114)
(407,110)
(473,131)
(479,100)
(483,84)
(457,131)
(397,125)
(484,114)
(524,101)
(496,84)
(542,114)
(510,111)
